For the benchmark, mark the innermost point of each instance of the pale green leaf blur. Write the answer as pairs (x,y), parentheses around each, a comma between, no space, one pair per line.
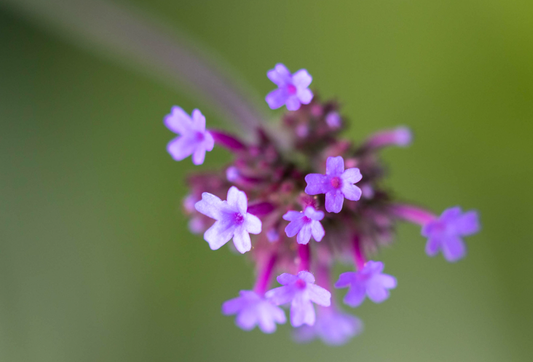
(97,264)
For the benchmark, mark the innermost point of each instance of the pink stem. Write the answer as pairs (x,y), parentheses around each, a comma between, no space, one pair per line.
(359,257)
(265,275)
(304,252)
(261,208)
(413,214)
(400,136)
(228,141)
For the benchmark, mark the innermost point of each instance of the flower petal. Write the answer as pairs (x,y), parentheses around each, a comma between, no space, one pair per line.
(178,121)
(335,166)
(234,305)
(306,276)
(313,214)
(453,248)
(277,98)
(302,312)
(252,224)
(237,200)
(304,235)
(334,201)
(319,295)
(198,156)
(302,78)
(433,246)
(316,184)
(294,227)
(241,240)
(219,234)
(468,223)
(317,230)
(304,95)
(293,103)
(377,293)
(181,147)
(280,295)
(292,215)
(198,121)
(286,278)
(209,205)
(355,296)
(346,279)
(247,318)
(352,175)
(351,192)
(280,75)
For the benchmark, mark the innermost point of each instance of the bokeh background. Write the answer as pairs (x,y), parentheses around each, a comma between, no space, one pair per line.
(97,264)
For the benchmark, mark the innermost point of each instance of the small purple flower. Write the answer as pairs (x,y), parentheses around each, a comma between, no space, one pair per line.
(369,281)
(305,224)
(232,220)
(337,184)
(300,291)
(252,310)
(292,88)
(445,233)
(332,327)
(194,139)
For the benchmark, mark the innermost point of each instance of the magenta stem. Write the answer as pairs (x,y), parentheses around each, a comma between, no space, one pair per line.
(263,280)
(261,208)
(228,141)
(304,252)
(413,214)
(359,257)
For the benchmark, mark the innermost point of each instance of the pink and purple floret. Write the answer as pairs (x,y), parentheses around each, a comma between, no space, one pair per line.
(287,197)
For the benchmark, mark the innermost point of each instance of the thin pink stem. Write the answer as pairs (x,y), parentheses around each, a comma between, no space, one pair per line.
(413,214)
(265,275)
(304,252)
(400,136)
(226,140)
(359,257)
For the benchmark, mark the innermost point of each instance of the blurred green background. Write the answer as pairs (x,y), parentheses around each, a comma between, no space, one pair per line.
(96,263)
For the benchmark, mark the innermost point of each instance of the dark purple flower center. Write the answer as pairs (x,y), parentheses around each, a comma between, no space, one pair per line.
(199,136)
(336,182)
(306,219)
(292,89)
(239,219)
(300,284)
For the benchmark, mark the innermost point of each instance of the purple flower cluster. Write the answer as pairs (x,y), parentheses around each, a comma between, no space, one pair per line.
(324,188)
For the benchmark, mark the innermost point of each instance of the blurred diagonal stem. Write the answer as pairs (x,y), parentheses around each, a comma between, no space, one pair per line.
(124,34)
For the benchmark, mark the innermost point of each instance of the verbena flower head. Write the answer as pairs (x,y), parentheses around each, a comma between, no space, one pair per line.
(292,88)
(194,139)
(286,194)
(333,327)
(445,233)
(252,310)
(336,184)
(301,291)
(304,224)
(369,281)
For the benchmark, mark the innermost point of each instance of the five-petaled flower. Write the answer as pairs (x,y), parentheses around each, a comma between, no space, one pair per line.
(333,327)
(299,290)
(368,281)
(252,310)
(193,140)
(292,88)
(232,220)
(305,224)
(337,184)
(445,232)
